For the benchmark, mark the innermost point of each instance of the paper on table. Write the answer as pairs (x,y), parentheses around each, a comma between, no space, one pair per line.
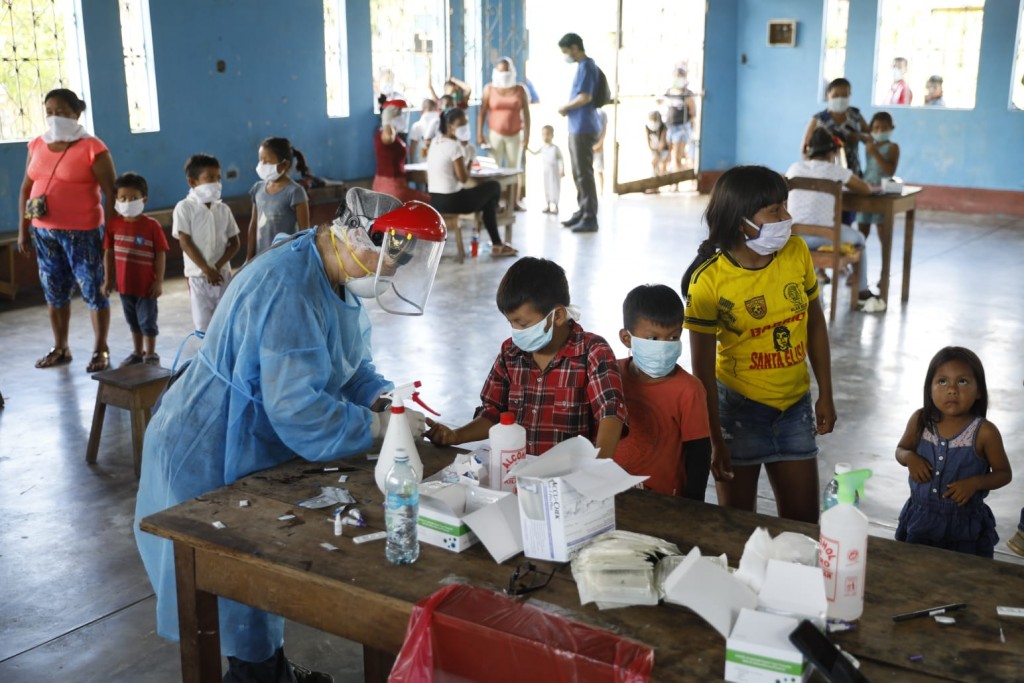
(709,590)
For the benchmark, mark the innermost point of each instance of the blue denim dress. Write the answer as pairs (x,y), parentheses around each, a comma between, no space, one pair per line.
(928,518)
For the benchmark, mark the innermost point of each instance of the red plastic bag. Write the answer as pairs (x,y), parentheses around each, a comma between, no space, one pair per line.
(462,633)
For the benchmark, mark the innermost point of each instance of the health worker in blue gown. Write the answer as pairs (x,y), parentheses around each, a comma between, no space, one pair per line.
(284,371)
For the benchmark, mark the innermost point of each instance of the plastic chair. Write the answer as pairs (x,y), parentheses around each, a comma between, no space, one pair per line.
(835,259)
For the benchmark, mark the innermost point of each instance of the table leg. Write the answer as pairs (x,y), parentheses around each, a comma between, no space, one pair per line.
(198,625)
(97,426)
(885,238)
(377,665)
(908,247)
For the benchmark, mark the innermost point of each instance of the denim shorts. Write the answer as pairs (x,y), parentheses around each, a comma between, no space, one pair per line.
(67,257)
(757,434)
(140,312)
(679,132)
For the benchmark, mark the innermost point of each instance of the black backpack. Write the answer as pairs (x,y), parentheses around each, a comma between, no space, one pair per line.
(602,93)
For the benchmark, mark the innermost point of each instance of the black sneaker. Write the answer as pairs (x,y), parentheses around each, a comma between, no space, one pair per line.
(304,675)
(589,225)
(573,220)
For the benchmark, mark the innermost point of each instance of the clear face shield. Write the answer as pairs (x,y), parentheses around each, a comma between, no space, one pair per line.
(398,246)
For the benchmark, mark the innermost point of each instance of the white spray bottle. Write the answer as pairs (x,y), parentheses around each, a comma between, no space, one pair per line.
(399,434)
(843,553)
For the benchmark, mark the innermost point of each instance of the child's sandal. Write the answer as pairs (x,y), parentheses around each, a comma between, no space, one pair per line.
(100,361)
(55,357)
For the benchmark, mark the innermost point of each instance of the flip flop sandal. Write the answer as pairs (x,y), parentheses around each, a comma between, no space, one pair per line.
(100,361)
(55,357)
(504,250)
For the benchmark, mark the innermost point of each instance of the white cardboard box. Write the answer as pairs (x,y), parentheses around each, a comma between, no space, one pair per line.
(758,650)
(457,516)
(794,590)
(567,497)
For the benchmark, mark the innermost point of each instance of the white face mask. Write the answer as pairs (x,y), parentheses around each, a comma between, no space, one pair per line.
(462,133)
(569,59)
(897,74)
(207,192)
(771,236)
(838,104)
(398,124)
(653,126)
(429,117)
(61,129)
(503,79)
(130,209)
(268,172)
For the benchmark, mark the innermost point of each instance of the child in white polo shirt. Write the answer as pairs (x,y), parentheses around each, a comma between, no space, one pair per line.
(208,234)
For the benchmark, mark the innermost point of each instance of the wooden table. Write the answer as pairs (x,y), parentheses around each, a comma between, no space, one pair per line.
(889,205)
(508,178)
(353,592)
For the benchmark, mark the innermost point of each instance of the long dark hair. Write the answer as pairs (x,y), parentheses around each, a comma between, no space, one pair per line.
(930,413)
(449,116)
(739,193)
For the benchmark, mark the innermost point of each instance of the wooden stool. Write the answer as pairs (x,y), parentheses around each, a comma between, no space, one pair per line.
(453,223)
(134,388)
(8,284)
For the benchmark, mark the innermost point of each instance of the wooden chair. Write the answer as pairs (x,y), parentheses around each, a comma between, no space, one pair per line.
(835,260)
(134,388)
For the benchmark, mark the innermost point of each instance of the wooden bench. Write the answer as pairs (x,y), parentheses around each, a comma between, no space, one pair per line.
(134,388)
(8,283)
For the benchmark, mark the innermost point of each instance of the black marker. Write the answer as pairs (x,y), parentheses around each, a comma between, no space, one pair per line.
(321,470)
(930,612)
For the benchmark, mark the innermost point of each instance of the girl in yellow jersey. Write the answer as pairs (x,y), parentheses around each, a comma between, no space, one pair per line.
(754,321)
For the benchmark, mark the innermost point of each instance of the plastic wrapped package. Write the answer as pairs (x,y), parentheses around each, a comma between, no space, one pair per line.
(616,569)
(463,633)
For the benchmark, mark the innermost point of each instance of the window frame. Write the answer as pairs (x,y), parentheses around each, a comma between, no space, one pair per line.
(344,106)
(150,67)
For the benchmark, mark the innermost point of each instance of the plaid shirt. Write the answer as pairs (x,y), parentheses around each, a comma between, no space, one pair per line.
(579,388)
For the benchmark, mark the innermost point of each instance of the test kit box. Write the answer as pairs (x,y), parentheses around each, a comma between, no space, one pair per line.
(566,498)
(758,650)
(457,516)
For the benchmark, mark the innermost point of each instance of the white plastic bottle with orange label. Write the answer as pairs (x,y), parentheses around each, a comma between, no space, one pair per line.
(508,446)
(843,551)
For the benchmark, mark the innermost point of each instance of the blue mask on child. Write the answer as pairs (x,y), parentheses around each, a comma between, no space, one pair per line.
(655,358)
(535,337)
(883,136)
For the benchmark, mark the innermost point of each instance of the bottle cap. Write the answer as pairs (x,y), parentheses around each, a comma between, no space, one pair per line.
(851,484)
(397,409)
(508,418)
(401,455)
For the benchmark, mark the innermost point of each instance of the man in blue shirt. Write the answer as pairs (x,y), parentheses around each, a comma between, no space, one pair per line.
(584,129)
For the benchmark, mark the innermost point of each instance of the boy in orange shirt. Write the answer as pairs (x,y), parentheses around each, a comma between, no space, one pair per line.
(669,439)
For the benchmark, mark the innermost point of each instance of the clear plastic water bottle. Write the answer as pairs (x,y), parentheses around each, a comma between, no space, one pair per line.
(401,511)
(831,495)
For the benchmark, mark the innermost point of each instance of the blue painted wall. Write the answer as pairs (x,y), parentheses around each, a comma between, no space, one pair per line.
(274,84)
(776,93)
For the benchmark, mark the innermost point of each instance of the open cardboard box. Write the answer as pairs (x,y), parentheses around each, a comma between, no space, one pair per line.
(456,516)
(567,497)
(756,625)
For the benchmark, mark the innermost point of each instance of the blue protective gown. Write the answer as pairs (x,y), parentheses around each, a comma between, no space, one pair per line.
(284,371)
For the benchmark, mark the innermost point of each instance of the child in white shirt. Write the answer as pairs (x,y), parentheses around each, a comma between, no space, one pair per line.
(554,169)
(208,234)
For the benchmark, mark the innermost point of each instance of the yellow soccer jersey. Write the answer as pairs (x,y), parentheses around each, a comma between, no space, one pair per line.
(760,320)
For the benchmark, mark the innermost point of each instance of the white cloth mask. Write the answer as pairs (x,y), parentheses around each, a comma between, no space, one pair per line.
(61,129)
(770,237)
(838,104)
(130,209)
(268,172)
(653,126)
(883,136)
(569,59)
(207,193)
(462,133)
(503,79)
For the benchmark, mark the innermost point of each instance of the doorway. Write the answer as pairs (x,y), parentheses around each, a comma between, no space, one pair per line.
(639,46)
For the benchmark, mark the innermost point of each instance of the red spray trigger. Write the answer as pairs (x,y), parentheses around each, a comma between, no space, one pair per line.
(419,401)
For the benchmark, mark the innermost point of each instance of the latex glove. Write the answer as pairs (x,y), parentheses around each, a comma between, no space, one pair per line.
(379,426)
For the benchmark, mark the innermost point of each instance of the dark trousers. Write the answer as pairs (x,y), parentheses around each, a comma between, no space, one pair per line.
(581,152)
(274,670)
(483,198)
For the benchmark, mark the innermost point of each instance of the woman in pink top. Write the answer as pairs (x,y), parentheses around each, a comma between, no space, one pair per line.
(505,108)
(65,172)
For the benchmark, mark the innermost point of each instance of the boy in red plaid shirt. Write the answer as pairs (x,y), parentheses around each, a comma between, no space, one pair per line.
(559,380)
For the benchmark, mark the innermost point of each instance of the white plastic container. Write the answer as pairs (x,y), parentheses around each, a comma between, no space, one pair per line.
(843,553)
(508,447)
(398,436)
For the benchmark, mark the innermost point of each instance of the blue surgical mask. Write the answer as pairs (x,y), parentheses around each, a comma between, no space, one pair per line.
(655,358)
(770,237)
(883,136)
(535,337)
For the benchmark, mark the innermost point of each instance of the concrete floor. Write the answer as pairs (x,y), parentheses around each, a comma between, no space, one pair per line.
(76,604)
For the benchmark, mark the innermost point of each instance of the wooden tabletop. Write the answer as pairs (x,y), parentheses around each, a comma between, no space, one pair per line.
(900,577)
